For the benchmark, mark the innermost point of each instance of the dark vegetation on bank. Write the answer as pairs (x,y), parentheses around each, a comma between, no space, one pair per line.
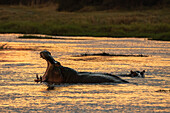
(75,5)
(35,37)
(45,37)
(163,91)
(112,18)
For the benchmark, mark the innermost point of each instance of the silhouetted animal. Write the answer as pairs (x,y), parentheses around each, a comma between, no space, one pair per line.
(56,73)
(135,74)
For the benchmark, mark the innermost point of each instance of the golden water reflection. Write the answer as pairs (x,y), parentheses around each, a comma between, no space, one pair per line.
(20,62)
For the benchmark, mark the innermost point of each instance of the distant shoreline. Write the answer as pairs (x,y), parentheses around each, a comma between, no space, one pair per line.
(151,24)
(46,36)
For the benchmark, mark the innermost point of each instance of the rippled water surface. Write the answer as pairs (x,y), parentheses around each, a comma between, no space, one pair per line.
(20,62)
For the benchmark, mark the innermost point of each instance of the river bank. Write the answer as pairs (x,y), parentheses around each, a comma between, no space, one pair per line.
(153,24)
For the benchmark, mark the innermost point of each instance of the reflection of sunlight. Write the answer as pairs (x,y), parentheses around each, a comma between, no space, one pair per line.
(98,95)
(20,62)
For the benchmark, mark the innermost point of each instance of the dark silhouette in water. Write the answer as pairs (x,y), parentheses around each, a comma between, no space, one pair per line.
(140,74)
(107,54)
(56,74)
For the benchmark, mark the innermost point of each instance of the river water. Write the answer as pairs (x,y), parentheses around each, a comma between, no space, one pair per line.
(20,62)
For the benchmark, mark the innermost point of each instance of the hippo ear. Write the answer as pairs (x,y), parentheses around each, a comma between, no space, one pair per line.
(131,71)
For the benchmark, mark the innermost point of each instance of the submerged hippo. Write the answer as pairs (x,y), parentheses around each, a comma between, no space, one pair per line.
(56,73)
(140,74)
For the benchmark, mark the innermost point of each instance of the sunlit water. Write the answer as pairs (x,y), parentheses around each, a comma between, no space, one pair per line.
(21,62)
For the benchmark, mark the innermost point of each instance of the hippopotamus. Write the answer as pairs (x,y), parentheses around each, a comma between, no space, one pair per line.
(140,74)
(56,74)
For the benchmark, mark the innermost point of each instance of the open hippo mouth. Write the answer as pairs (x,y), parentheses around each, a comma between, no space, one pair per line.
(53,72)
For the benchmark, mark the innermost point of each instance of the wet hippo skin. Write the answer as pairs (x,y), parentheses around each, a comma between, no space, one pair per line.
(56,73)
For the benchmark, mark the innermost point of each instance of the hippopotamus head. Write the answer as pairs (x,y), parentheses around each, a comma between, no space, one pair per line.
(47,56)
(53,72)
(137,73)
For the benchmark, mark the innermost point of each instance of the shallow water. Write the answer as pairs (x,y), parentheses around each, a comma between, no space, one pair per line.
(21,62)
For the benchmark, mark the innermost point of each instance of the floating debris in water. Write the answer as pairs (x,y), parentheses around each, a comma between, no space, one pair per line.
(108,54)
(163,90)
